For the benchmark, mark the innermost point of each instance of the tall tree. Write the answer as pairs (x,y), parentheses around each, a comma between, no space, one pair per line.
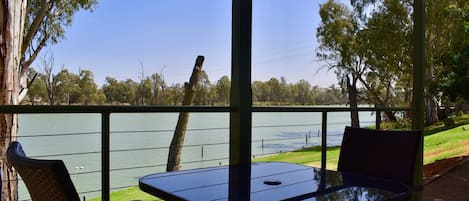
(89,93)
(339,46)
(203,95)
(49,78)
(12,19)
(25,28)
(303,92)
(395,17)
(158,88)
(68,90)
(223,86)
(37,89)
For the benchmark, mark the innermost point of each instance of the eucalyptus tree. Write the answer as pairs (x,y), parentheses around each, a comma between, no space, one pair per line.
(119,92)
(37,92)
(441,36)
(89,92)
(303,92)
(49,78)
(387,49)
(260,91)
(223,86)
(175,94)
(26,27)
(158,88)
(275,93)
(203,95)
(455,84)
(340,47)
(68,89)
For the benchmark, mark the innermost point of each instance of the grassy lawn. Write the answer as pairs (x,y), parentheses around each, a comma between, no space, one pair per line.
(446,144)
(438,145)
(308,156)
(129,194)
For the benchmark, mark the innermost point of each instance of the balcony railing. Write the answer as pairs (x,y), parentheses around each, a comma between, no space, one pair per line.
(105,132)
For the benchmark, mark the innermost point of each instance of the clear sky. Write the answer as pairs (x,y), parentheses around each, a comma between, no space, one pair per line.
(165,36)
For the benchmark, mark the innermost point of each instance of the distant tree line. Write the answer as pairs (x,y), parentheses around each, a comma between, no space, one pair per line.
(65,88)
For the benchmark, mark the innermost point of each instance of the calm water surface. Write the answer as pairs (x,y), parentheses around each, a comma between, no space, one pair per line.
(139,141)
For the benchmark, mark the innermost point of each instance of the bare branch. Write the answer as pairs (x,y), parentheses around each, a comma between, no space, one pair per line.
(33,56)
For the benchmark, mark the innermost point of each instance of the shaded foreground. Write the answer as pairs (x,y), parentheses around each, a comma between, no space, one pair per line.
(447,180)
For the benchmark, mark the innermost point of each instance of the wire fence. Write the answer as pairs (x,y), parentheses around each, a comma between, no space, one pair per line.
(302,135)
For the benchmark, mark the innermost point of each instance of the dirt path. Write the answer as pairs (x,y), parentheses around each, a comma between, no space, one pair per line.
(448,179)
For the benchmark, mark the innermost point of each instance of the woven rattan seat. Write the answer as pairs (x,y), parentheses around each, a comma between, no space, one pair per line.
(46,180)
(377,153)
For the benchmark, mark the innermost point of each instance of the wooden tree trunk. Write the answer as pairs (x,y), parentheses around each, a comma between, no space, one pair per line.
(353,101)
(175,149)
(12,16)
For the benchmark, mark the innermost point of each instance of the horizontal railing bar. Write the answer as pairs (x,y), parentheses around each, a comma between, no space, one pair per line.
(326,109)
(164,164)
(122,187)
(277,139)
(66,154)
(60,134)
(89,172)
(139,149)
(92,191)
(106,108)
(137,167)
(150,109)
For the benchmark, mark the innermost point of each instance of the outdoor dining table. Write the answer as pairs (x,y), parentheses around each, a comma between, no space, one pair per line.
(272,181)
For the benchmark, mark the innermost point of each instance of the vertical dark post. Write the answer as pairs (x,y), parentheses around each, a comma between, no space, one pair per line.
(240,101)
(105,159)
(323,149)
(378,120)
(418,102)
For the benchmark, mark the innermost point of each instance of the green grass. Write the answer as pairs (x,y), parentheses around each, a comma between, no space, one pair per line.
(308,156)
(439,144)
(130,194)
(446,144)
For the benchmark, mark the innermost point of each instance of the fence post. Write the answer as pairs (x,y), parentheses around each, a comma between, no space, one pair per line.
(378,120)
(323,149)
(105,159)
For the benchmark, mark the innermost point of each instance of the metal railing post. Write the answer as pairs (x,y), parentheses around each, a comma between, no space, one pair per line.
(378,120)
(323,149)
(105,158)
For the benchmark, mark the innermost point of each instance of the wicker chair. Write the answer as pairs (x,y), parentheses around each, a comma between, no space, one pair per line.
(383,154)
(380,154)
(46,180)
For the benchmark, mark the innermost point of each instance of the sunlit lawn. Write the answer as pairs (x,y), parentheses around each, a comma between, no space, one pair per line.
(130,194)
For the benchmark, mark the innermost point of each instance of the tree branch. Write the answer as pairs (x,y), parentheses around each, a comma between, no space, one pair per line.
(27,63)
(46,6)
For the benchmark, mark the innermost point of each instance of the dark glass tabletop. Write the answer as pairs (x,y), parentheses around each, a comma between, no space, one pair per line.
(272,181)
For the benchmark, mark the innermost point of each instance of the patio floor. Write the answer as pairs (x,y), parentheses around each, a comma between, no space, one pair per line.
(447,180)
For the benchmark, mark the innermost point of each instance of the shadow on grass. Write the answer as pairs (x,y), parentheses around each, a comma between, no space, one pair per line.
(441,127)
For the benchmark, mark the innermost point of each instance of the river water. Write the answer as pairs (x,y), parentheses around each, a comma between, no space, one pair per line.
(139,142)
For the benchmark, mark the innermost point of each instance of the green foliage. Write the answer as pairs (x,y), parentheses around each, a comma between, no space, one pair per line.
(222,87)
(455,83)
(59,14)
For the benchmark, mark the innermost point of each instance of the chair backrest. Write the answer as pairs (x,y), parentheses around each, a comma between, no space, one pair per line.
(384,154)
(45,179)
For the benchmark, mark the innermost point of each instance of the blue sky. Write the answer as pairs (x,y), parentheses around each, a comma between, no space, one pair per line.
(165,36)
